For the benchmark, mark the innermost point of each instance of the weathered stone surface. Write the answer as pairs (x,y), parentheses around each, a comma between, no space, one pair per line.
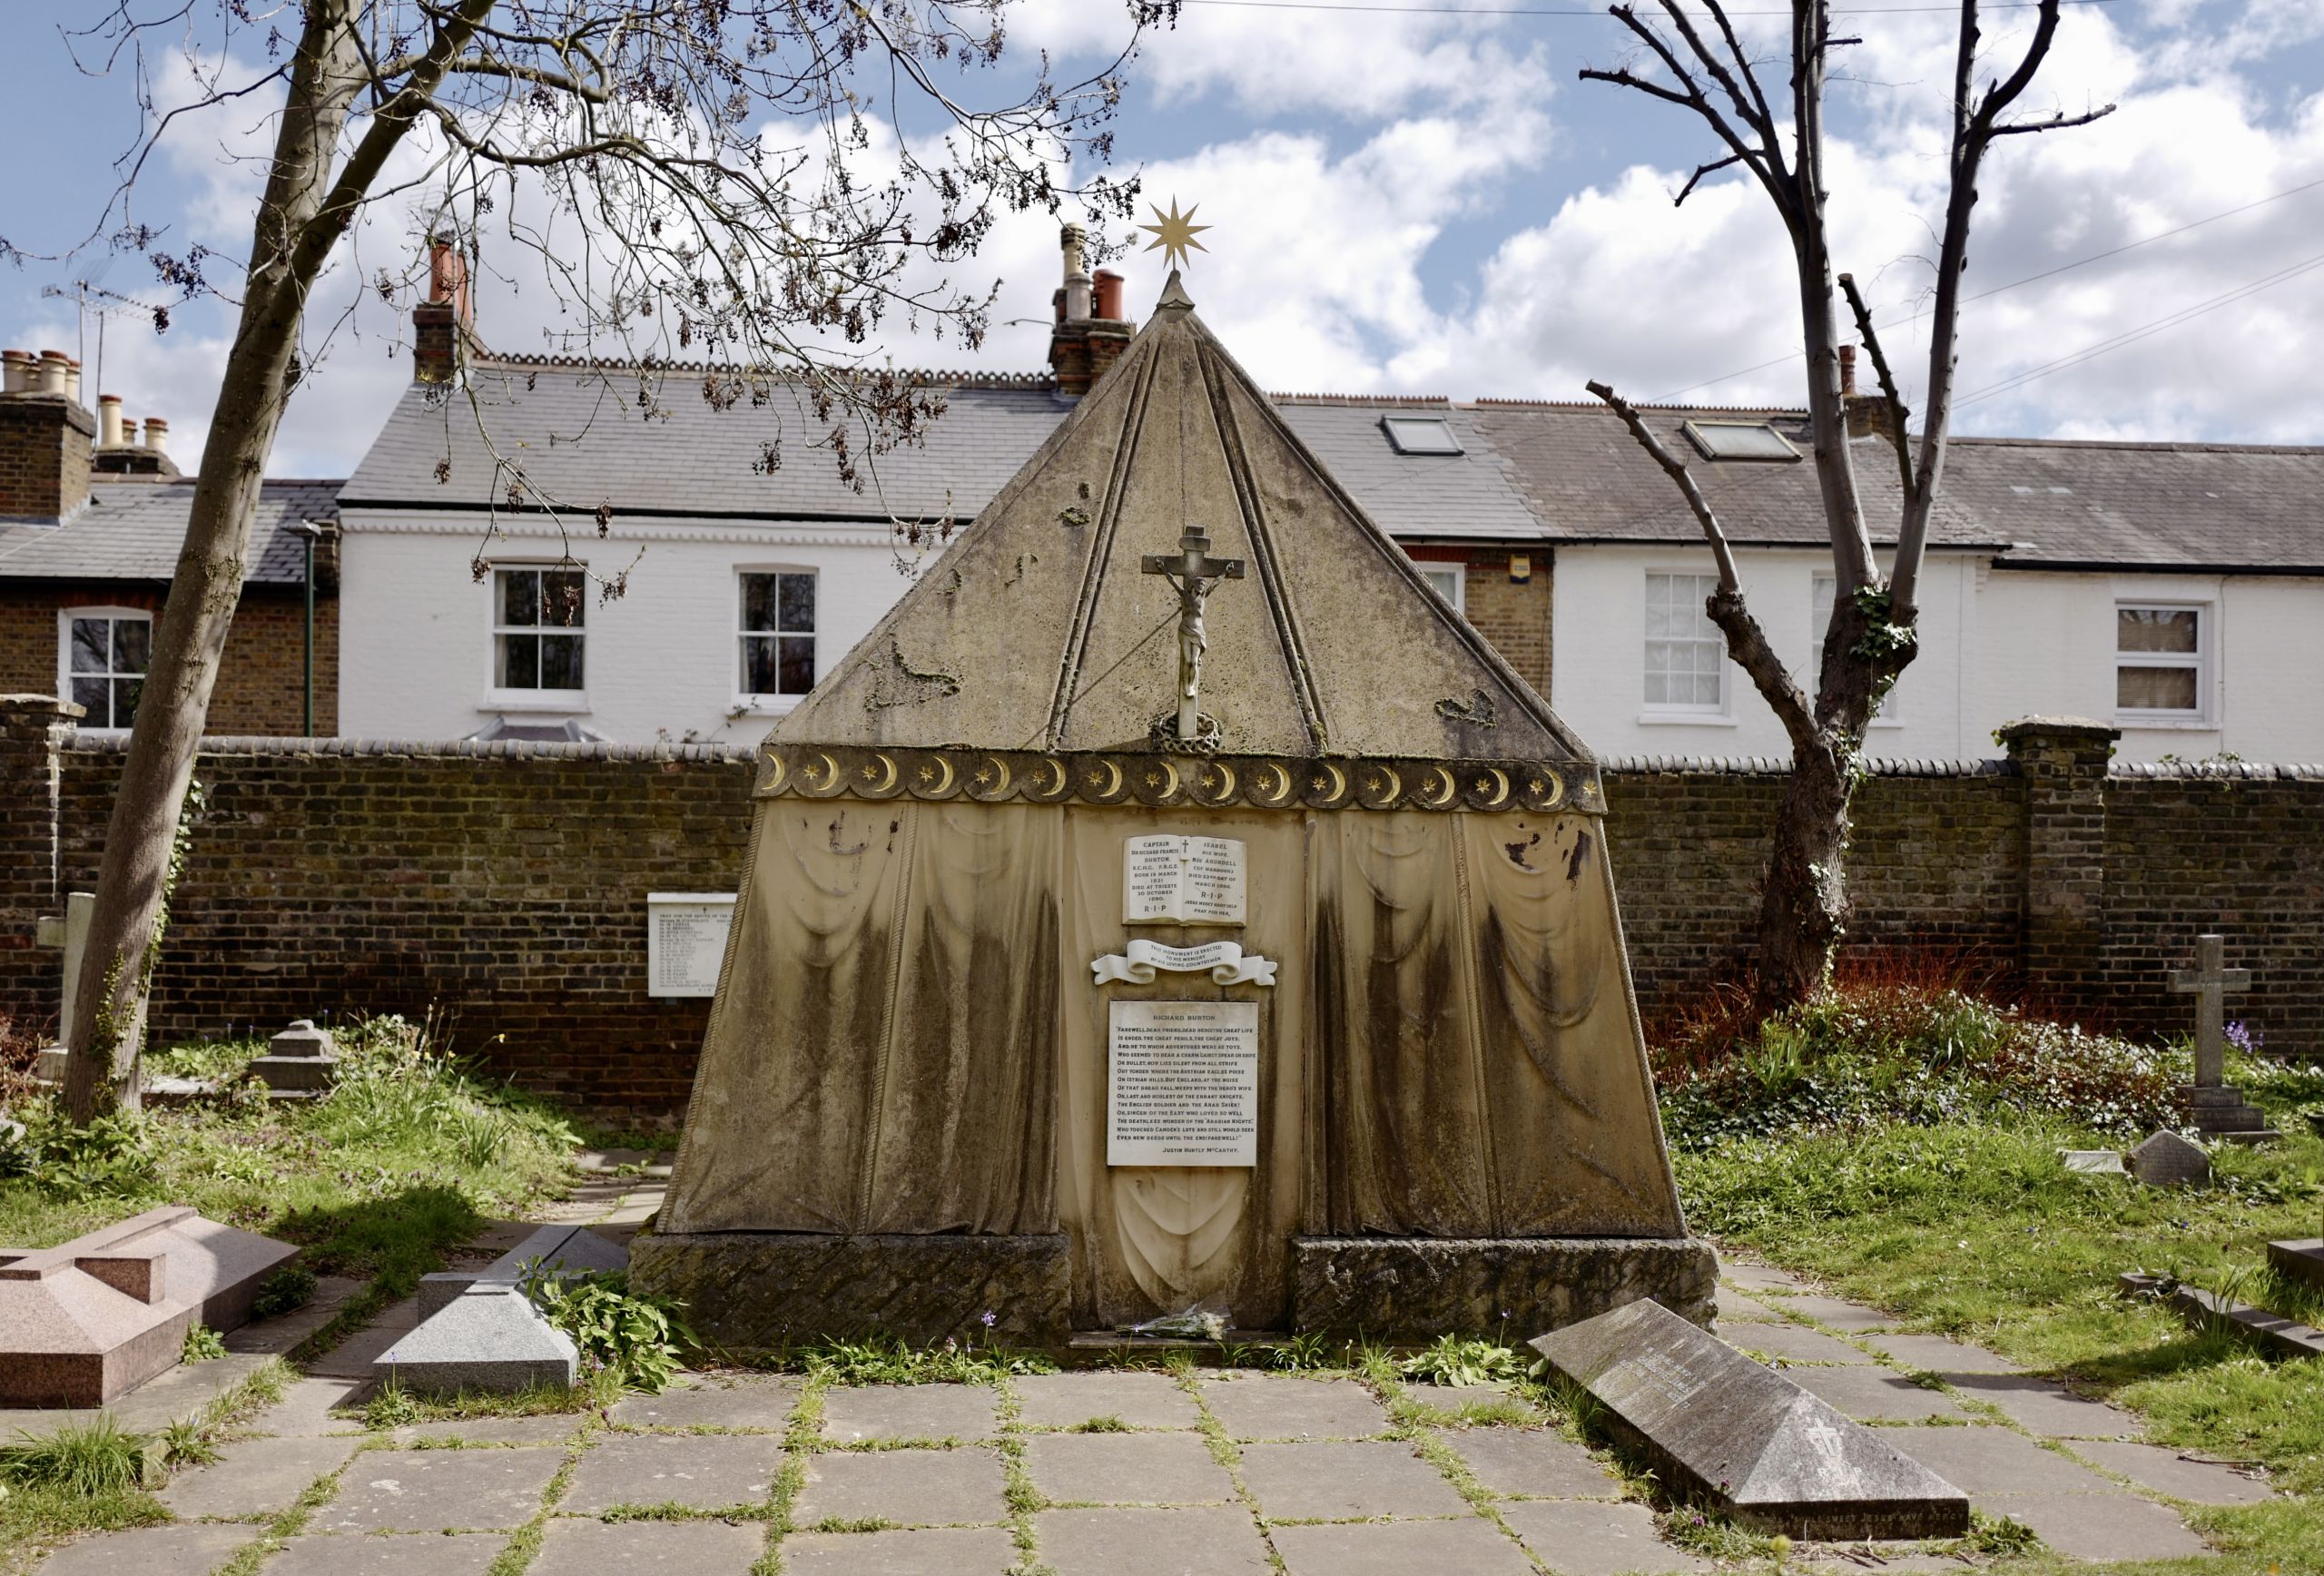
(1334,1480)
(306,1409)
(2298,1260)
(1472,1546)
(756,1401)
(917,1551)
(1136,1399)
(1741,1435)
(1279,1406)
(255,1477)
(87,1321)
(911,1488)
(1535,1462)
(706,1471)
(2169,1471)
(754,1290)
(570,1250)
(1868,1393)
(1417,1289)
(1134,1540)
(2168,1161)
(300,1060)
(1852,1319)
(1127,1469)
(1795,1344)
(854,1415)
(1988,1459)
(428,1491)
(193,1550)
(1940,1354)
(491,1337)
(573,1547)
(1597,1538)
(2042,1405)
(2102,1526)
(536,1429)
(342,1554)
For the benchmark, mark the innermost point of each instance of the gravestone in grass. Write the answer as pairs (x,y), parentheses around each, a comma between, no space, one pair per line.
(2219,1109)
(1722,1428)
(2168,1161)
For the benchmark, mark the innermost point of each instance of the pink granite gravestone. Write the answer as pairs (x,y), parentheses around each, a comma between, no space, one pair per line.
(87,1321)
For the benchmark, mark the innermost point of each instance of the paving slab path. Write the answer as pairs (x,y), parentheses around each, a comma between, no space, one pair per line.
(1123,1471)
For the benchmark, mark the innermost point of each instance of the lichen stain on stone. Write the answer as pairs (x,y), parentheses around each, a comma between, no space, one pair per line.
(1577,859)
(1517,851)
(838,830)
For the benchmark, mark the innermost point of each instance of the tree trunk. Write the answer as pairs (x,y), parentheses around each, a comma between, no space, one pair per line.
(134,882)
(1804,908)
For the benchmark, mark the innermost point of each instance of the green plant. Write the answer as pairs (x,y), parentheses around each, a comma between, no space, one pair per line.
(632,1334)
(1108,1424)
(1457,1361)
(392,1407)
(1999,1535)
(289,1287)
(202,1344)
(86,1458)
(186,1443)
(108,1159)
(886,1362)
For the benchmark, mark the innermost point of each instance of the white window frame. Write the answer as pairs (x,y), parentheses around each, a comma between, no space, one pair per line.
(2199,660)
(1820,584)
(1720,714)
(1458,573)
(773,705)
(566,701)
(65,673)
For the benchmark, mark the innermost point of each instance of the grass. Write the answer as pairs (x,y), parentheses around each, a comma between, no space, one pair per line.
(1966,1225)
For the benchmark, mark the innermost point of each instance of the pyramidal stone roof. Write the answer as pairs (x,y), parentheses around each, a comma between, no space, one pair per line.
(1038,631)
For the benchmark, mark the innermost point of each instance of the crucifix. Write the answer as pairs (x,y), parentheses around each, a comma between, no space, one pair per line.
(1193,572)
(2209,985)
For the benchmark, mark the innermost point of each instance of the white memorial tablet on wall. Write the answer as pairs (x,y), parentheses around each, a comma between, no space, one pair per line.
(1194,880)
(1182,1083)
(686,941)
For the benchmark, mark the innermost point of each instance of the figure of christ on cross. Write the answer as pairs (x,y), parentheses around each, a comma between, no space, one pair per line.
(1193,572)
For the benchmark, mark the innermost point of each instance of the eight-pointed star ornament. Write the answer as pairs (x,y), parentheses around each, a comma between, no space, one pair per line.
(1175,234)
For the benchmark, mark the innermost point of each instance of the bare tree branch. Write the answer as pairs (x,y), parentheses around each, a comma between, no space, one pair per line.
(1701,170)
(1897,414)
(2056,122)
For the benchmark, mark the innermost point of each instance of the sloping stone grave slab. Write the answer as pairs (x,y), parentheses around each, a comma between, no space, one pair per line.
(481,1332)
(85,1322)
(2301,1260)
(1725,1430)
(2167,1160)
(2277,1336)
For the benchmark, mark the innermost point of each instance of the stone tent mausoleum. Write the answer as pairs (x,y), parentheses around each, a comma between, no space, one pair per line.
(1172,903)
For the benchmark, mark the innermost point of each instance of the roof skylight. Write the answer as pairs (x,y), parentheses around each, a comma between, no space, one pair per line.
(1420,435)
(1740,440)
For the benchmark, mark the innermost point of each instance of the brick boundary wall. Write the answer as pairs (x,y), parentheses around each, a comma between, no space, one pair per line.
(507,881)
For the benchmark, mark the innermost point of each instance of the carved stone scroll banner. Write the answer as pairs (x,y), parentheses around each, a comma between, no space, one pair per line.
(1226,961)
(1164,782)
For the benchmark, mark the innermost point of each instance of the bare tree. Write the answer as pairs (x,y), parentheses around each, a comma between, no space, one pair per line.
(768,180)
(1873,636)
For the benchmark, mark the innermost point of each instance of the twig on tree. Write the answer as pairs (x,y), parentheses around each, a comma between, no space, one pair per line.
(1897,414)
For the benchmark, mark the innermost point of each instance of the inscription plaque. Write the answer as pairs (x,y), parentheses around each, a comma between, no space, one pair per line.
(685,942)
(1182,1086)
(1194,880)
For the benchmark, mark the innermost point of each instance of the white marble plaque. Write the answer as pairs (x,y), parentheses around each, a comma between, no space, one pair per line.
(1194,880)
(686,941)
(1182,1086)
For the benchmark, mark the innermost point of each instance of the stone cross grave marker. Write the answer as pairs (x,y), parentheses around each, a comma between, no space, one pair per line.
(70,932)
(1193,572)
(2211,985)
(2220,1110)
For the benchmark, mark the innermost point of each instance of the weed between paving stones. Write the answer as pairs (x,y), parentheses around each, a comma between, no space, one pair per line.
(1227,1454)
(524,1543)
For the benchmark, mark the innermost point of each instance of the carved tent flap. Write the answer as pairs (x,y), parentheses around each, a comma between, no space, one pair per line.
(1479,1058)
(863,934)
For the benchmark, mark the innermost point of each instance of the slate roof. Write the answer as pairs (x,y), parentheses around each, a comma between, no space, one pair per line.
(2177,505)
(1593,482)
(581,435)
(135,526)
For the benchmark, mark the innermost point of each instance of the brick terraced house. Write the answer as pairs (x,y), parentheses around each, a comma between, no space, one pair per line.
(91,525)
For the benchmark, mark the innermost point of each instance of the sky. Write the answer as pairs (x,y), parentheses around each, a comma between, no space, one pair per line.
(1409,199)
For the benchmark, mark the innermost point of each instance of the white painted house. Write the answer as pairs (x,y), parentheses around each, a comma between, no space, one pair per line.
(2175,590)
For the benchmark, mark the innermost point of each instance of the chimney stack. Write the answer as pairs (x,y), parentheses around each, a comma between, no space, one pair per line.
(1867,414)
(46,440)
(109,421)
(1091,330)
(120,451)
(443,326)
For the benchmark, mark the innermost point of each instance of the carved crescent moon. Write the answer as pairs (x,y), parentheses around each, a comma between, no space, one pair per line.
(1280,785)
(1052,790)
(1446,786)
(1395,785)
(1501,788)
(943,785)
(1113,778)
(777,770)
(887,782)
(1170,784)
(1339,780)
(1226,781)
(831,770)
(1000,789)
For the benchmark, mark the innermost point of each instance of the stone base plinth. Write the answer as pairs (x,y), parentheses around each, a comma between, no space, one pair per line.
(1412,1289)
(2300,1260)
(756,1290)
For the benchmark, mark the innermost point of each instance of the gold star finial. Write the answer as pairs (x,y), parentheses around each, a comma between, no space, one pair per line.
(1175,234)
